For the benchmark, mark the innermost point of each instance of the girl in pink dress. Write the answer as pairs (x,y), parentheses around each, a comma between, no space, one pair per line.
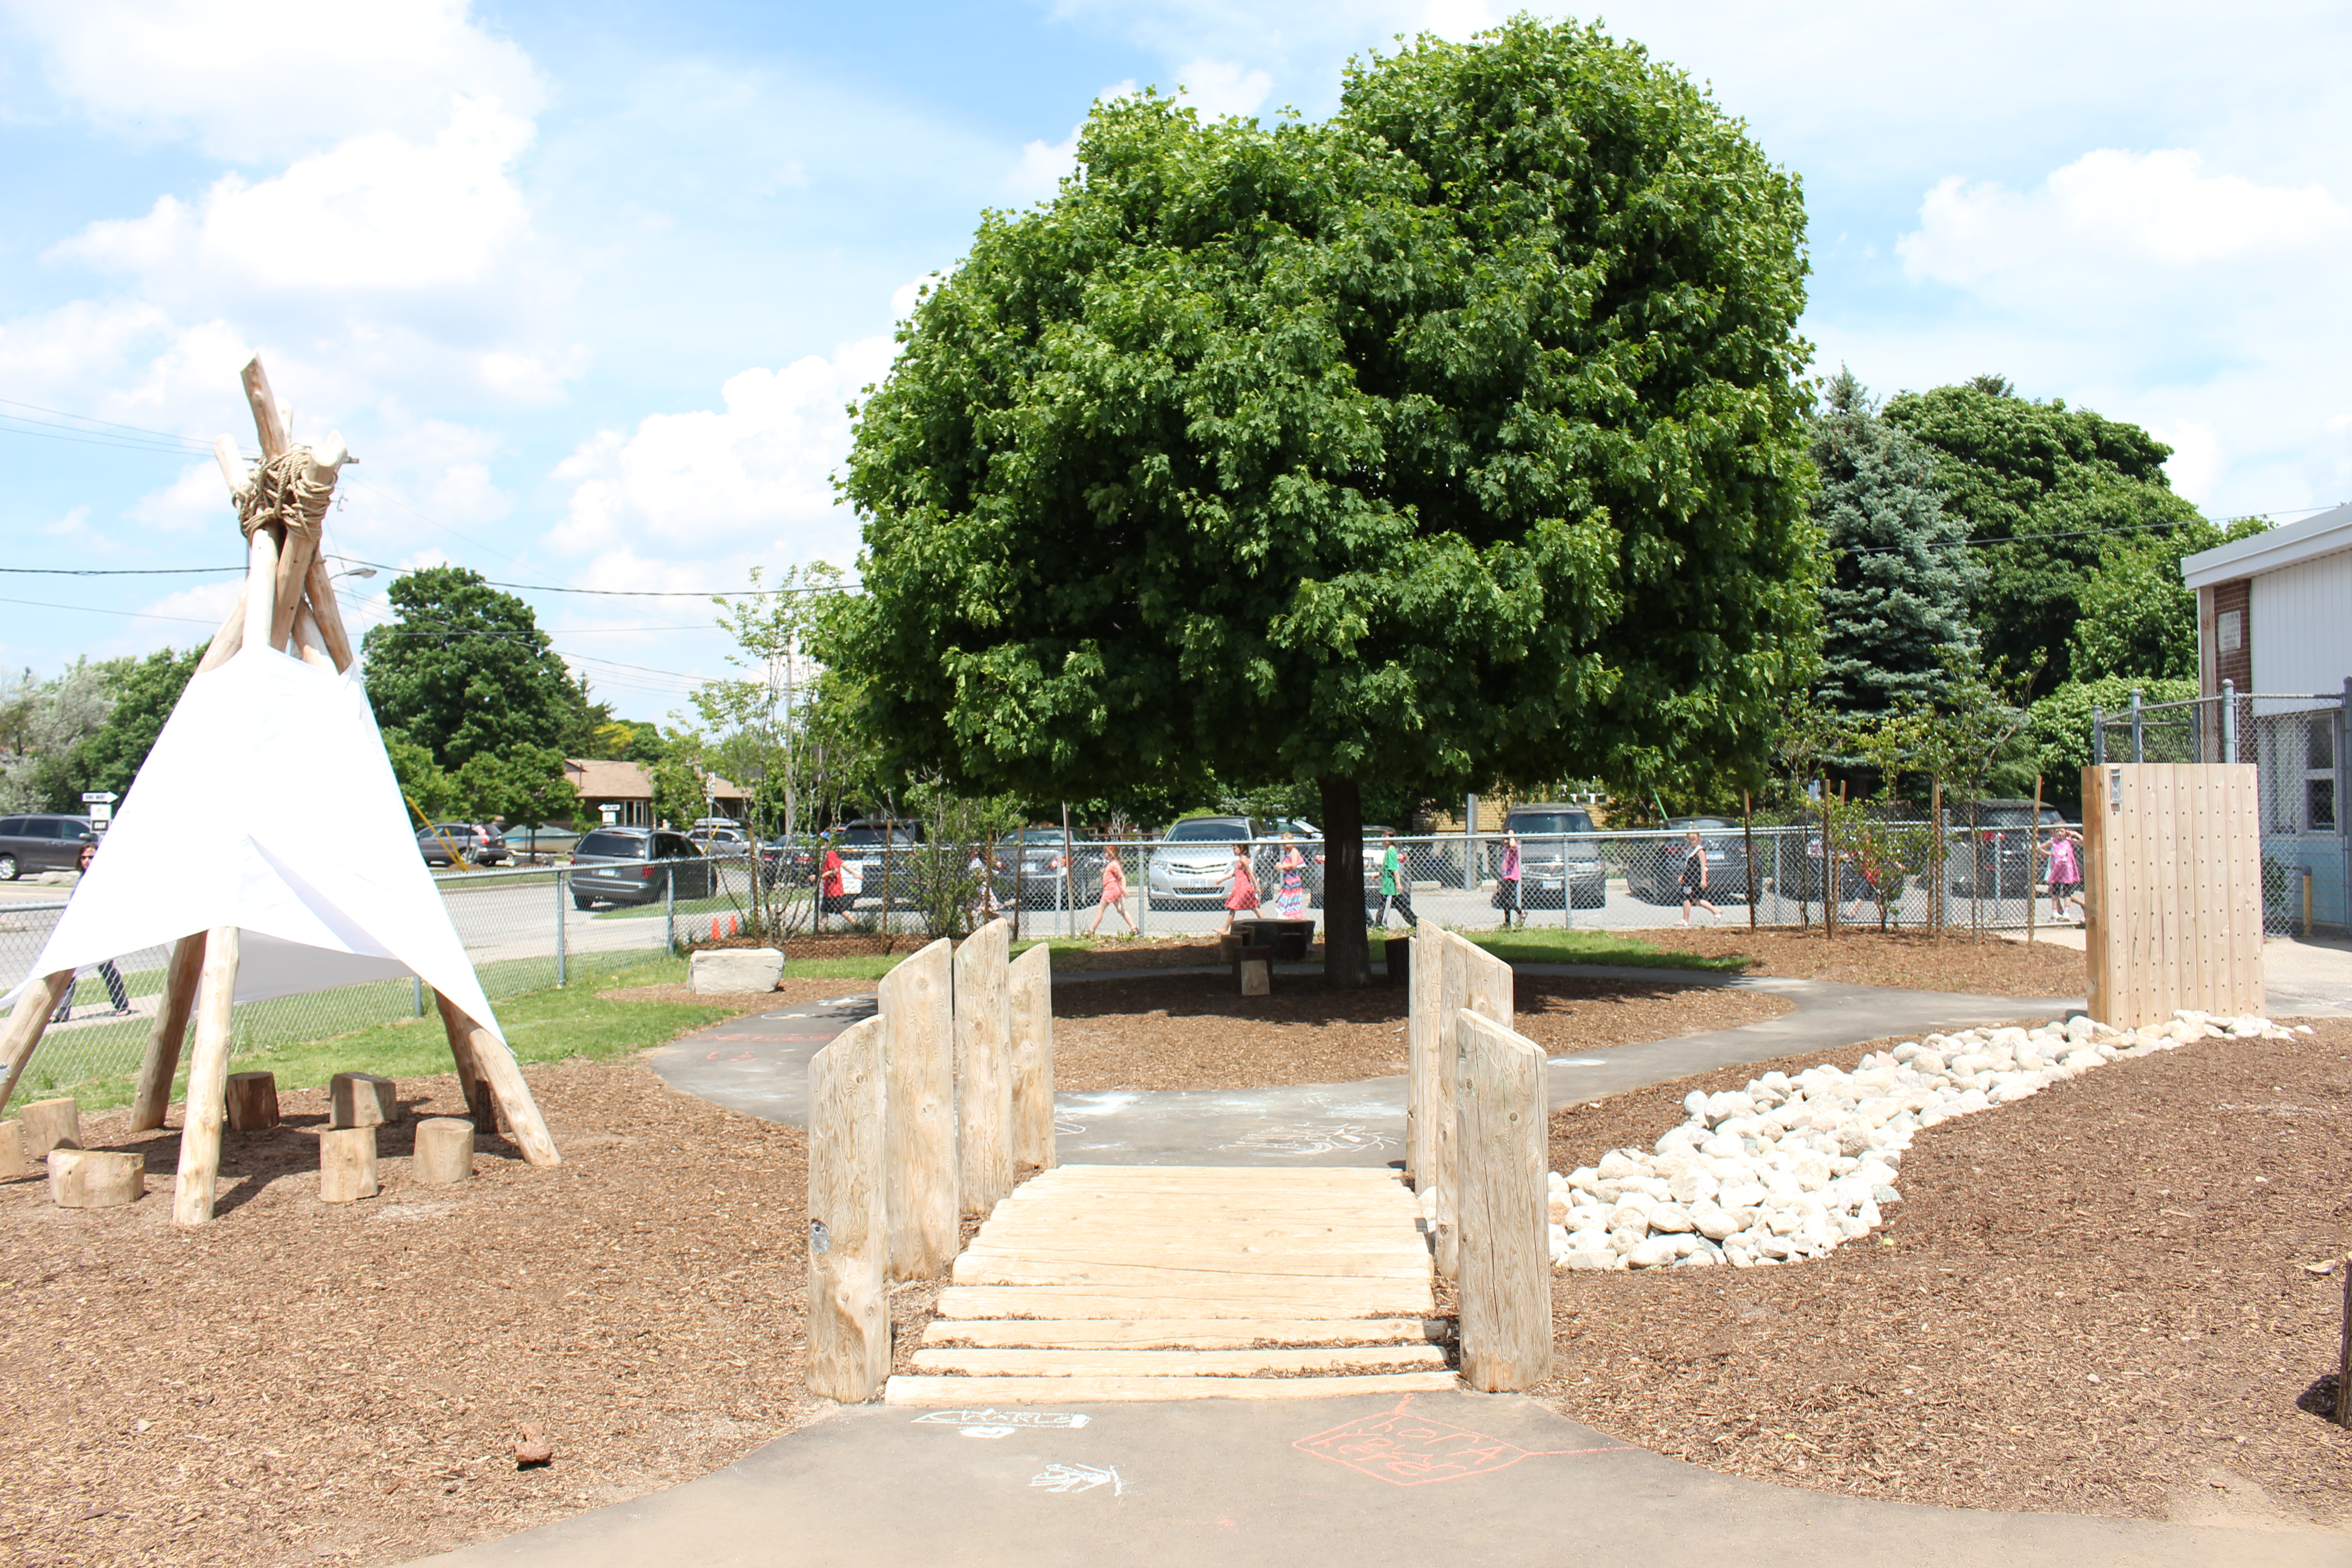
(2065,855)
(1114,894)
(1244,898)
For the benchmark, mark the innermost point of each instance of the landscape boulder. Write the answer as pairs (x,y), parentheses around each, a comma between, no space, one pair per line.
(727,970)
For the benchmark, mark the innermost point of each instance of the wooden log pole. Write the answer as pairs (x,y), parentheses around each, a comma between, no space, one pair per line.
(301,546)
(260,587)
(511,1090)
(152,1100)
(96,1179)
(1030,999)
(1454,995)
(1423,1000)
(918,1012)
(347,1165)
(330,612)
(200,1128)
(849,1224)
(252,1101)
(309,645)
(983,1076)
(481,1105)
(26,1024)
(50,1124)
(1506,1280)
(444,1151)
(268,414)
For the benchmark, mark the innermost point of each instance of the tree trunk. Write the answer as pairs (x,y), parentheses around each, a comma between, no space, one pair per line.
(1346,951)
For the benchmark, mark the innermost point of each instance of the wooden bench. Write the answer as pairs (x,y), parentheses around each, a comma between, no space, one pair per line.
(1289,938)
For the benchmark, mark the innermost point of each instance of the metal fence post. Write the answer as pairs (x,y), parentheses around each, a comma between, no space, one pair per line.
(1469,842)
(417,981)
(2099,736)
(669,909)
(2343,786)
(562,894)
(2228,721)
(2139,747)
(1143,886)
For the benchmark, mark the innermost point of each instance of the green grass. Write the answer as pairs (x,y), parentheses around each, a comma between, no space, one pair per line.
(541,1027)
(1552,944)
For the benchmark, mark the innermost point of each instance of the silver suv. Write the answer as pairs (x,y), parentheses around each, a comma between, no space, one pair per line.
(1194,862)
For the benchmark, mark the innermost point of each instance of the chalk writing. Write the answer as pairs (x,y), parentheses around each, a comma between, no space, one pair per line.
(1305,1141)
(1078,1478)
(1408,1450)
(1000,1418)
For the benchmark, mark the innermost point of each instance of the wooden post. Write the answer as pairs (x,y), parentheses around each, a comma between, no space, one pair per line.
(94,1179)
(252,1101)
(1423,1059)
(2033,854)
(849,1242)
(1829,868)
(1030,1001)
(513,1091)
(1937,850)
(1748,834)
(152,1098)
(444,1151)
(1454,995)
(361,1099)
(2173,890)
(347,1165)
(50,1124)
(1505,1300)
(918,1012)
(260,587)
(2343,1350)
(25,1026)
(481,1105)
(984,1079)
(14,1166)
(200,1127)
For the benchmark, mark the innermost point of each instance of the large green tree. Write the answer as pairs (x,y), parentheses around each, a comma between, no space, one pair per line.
(2046,490)
(463,668)
(2138,618)
(145,691)
(1895,610)
(1457,438)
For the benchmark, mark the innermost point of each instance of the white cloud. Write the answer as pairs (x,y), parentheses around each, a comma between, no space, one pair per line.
(1043,165)
(699,482)
(2198,456)
(377,213)
(1219,88)
(250,80)
(2112,212)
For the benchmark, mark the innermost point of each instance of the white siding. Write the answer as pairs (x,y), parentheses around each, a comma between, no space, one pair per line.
(2303,625)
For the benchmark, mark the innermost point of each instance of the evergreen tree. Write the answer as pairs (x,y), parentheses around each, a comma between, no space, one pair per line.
(1897,605)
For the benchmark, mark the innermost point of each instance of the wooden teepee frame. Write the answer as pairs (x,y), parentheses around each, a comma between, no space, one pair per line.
(288,595)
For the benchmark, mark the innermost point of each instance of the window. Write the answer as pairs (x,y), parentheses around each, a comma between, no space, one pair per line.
(1206,832)
(2320,803)
(1549,824)
(620,846)
(12,828)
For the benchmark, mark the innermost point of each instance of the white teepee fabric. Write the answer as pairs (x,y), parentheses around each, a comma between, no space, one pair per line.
(268,804)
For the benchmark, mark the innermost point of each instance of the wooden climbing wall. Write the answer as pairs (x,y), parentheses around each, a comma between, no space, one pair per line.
(2173,888)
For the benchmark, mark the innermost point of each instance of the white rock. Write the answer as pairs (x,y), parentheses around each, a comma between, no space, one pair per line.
(1693,1186)
(1616,1165)
(1715,1222)
(1592,1258)
(1657,1250)
(728,971)
(1669,1219)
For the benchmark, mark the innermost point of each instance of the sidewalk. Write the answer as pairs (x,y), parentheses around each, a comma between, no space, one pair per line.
(2307,977)
(1358,1482)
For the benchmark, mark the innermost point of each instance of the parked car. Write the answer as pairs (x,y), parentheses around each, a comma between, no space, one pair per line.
(42,842)
(1051,868)
(1989,846)
(1268,856)
(791,860)
(726,841)
(1191,865)
(1655,874)
(480,844)
(540,843)
(635,865)
(882,850)
(1559,857)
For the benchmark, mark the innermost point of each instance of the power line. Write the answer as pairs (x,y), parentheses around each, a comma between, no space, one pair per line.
(95,610)
(114,571)
(626,593)
(2077,533)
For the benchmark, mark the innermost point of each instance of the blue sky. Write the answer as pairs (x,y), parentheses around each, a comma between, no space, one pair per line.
(585,287)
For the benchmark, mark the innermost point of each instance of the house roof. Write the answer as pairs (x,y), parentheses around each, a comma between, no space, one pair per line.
(598,778)
(2326,534)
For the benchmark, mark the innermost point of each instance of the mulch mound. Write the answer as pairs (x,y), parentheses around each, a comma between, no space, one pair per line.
(2092,1301)
(299,1380)
(1982,966)
(1196,1031)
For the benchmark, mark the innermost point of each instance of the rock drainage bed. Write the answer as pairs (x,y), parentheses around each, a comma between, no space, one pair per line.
(1789,1168)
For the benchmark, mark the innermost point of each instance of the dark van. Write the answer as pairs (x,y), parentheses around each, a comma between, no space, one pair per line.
(42,842)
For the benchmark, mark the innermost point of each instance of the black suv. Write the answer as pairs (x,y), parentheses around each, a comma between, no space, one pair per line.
(1559,860)
(42,842)
(632,865)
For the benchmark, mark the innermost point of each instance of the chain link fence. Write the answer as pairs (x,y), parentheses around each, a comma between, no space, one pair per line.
(2297,745)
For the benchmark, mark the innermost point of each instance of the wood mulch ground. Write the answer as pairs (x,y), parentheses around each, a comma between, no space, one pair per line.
(1983,966)
(2092,1301)
(1196,1031)
(305,1382)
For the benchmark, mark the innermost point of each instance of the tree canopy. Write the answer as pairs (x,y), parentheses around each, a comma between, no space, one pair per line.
(2138,618)
(463,670)
(1895,609)
(2046,490)
(1456,437)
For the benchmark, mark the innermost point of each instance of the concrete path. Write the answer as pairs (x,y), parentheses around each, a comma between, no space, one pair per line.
(759,1065)
(1383,1481)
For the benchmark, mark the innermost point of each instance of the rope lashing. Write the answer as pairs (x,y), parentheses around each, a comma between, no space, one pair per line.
(282,491)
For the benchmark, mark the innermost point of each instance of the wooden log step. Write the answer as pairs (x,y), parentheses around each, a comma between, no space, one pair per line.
(1266,1174)
(1184,1333)
(1316,1298)
(1212,1250)
(1175,1363)
(949,1392)
(977,1270)
(1168,1209)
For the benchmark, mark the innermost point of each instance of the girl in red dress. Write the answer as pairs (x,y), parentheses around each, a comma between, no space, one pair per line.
(1244,897)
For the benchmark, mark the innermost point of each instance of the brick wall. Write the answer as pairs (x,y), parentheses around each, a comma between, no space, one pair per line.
(2228,663)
